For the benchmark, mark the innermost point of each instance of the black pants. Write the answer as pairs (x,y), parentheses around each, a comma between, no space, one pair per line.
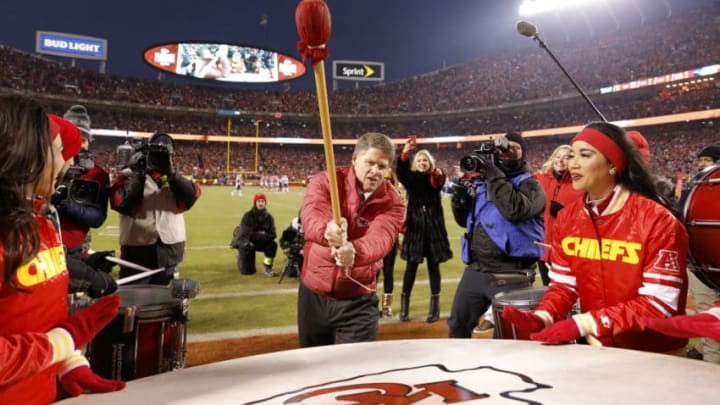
(246,257)
(388,271)
(322,321)
(474,296)
(543,270)
(433,275)
(268,247)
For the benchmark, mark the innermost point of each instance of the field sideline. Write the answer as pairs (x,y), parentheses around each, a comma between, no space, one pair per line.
(231,304)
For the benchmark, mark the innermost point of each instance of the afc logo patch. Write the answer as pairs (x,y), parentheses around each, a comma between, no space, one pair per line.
(428,384)
(667,260)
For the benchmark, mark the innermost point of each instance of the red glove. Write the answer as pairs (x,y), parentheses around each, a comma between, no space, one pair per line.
(85,324)
(436,178)
(525,321)
(82,379)
(561,332)
(687,326)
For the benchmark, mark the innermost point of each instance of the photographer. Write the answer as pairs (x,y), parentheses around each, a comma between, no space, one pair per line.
(81,202)
(501,206)
(151,198)
(256,233)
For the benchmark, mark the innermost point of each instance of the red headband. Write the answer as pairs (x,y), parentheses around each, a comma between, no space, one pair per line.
(604,144)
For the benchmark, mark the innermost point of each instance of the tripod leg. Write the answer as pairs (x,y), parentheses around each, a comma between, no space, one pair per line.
(284,272)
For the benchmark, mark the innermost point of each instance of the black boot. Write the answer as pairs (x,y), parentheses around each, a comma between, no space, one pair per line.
(404,307)
(434,313)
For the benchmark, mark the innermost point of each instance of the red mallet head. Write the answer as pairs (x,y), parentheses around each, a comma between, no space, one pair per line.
(312,18)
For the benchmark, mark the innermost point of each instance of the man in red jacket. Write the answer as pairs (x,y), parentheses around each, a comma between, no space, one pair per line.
(337,297)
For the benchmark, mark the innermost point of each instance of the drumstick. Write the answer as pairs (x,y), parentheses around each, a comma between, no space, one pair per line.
(127,264)
(545,245)
(138,276)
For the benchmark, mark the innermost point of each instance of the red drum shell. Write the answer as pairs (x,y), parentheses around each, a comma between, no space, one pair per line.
(147,337)
(700,207)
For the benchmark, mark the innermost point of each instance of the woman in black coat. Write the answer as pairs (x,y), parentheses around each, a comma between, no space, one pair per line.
(425,232)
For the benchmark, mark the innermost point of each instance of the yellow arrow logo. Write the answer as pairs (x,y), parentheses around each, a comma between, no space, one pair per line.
(368,71)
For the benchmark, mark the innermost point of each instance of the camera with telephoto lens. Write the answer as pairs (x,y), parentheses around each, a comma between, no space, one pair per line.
(73,188)
(488,151)
(156,156)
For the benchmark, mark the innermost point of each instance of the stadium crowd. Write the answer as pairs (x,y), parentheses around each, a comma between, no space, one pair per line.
(647,50)
(511,90)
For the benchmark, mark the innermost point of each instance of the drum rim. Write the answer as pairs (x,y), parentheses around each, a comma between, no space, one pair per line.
(497,299)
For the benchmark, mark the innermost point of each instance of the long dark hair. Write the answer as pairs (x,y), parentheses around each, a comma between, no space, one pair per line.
(636,177)
(24,142)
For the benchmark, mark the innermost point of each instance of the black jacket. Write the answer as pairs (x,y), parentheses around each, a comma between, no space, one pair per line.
(424,220)
(257,226)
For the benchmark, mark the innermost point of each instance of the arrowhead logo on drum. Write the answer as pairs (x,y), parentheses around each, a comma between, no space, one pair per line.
(432,383)
(667,260)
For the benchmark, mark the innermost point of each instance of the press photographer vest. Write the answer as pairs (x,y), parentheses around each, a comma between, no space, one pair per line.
(513,239)
(157,217)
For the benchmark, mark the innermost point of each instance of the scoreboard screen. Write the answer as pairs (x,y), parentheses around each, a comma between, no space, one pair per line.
(224,62)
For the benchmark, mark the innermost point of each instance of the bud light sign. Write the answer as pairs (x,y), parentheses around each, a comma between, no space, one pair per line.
(70,45)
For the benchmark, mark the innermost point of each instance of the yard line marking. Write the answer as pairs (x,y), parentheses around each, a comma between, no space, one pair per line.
(284,291)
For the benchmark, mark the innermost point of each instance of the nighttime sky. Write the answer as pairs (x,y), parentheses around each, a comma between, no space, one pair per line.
(410,36)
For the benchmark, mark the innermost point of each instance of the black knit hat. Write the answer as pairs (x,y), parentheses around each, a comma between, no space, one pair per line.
(515,137)
(713,152)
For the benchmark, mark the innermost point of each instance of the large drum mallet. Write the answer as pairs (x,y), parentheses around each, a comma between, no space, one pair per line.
(312,18)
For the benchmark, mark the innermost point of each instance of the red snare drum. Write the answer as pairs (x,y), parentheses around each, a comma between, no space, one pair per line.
(701,215)
(524,299)
(147,337)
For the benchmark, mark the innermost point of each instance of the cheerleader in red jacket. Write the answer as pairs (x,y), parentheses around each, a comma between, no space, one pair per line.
(554,177)
(38,340)
(618,249)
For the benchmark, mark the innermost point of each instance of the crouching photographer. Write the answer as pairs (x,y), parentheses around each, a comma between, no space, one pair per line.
(501,206)
(256,233)
(151,198)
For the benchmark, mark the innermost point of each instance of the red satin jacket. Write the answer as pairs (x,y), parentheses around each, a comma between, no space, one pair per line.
(627,263)
(26,376)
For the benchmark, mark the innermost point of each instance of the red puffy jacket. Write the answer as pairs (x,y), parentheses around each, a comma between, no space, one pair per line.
(373,227)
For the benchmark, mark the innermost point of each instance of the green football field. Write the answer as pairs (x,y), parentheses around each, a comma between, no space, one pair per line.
(233,304)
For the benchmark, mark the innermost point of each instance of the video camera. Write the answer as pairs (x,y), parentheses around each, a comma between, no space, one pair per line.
(72,187)
(292,242)
(138,153)
(488,150)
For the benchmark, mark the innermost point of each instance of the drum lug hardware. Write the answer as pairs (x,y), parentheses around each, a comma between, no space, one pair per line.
(129,322)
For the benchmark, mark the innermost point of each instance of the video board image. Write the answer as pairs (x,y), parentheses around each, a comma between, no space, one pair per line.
(224,62)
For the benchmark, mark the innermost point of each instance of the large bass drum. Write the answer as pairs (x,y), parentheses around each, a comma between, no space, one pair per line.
(700,206)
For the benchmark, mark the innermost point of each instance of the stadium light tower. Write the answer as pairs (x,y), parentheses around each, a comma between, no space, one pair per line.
(533,7)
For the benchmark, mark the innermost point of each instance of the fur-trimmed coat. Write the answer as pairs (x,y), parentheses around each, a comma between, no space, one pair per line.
(424,220)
